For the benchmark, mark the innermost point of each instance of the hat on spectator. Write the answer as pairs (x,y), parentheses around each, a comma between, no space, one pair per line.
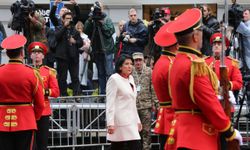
(37,47)
(13,42)
(187,22)
(166,10)
(163,38)
(137,55)
(217,37)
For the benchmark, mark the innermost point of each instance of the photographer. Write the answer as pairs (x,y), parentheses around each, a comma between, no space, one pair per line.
(160,17)
(67,53)
(57,21)
(135,34)
(243,27)
(99,27)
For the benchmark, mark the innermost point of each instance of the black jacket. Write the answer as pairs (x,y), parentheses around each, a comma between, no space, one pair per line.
(211,25)
(138,31)
(64,50)
(58,22)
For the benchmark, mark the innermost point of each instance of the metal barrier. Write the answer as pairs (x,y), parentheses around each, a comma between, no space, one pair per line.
(77,121)
(80,121)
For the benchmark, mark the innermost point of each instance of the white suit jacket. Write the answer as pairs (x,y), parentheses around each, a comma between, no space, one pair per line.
(121,101)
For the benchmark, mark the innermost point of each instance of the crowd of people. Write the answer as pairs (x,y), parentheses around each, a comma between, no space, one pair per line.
(181,86)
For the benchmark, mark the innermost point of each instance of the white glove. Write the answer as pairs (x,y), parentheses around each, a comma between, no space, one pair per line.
(238,137)
(231,97)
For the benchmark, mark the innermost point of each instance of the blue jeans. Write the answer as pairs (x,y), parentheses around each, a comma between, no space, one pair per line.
(104,64)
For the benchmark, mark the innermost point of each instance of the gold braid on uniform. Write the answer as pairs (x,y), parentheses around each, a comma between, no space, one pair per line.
(39,79)
(200,68)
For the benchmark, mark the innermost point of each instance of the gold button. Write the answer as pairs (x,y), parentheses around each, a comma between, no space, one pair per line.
(7,117)
(171,132)
(13,124)
(6,124)
(170,140)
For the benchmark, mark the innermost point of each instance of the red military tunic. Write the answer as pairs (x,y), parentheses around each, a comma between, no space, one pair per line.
(51,85)
(198,114)
(21,98)
(160,82)
(234,73)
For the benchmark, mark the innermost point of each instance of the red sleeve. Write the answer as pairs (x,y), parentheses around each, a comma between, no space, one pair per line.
(206,99)
(53,84)
(236,79)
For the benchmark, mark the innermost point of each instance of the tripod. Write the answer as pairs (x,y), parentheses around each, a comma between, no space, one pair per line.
(99,54)
(245,90)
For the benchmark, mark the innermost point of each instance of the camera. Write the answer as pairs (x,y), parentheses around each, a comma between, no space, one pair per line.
(96,12)
(126,38)
(20,11)
(235,14)
(158,14)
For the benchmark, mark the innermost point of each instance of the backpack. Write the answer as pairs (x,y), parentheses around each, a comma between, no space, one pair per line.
(52,43)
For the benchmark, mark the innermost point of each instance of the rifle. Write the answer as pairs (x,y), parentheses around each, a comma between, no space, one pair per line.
(224,81)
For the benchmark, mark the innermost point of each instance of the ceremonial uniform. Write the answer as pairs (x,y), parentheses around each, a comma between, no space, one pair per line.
(161,83)
(199,115)
(234,74)
(21,99)
(51,89)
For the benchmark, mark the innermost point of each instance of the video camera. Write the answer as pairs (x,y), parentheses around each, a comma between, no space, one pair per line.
(235,14)
(20,11)
(158,14)
(96,12)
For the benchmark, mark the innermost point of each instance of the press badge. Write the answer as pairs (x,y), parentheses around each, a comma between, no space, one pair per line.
(138,88)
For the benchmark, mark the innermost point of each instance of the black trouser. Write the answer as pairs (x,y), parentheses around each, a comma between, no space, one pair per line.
(126,145)
(42,133)
(21,140)
(163,140)
(62,69)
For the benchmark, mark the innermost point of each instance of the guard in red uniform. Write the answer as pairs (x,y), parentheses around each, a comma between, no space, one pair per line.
(234,74)
(37,51)
(199,115)
(21,98)
(160,80)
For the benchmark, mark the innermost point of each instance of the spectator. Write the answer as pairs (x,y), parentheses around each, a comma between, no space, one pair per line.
(123,131)
(146,100)
(84,57)
(243,28)
(211,25)
(67,54)
(134,35)
(21,98)
(160,80)
(2,36)
(100,29)
(193,87)
(37,50)
(118,41)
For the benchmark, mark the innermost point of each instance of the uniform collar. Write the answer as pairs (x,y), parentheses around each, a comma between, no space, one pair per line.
(15,61)
(190,50)
(167,53)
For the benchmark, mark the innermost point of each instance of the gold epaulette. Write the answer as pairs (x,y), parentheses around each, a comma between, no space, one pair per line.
(52,72)
(235,62)
(200,68)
